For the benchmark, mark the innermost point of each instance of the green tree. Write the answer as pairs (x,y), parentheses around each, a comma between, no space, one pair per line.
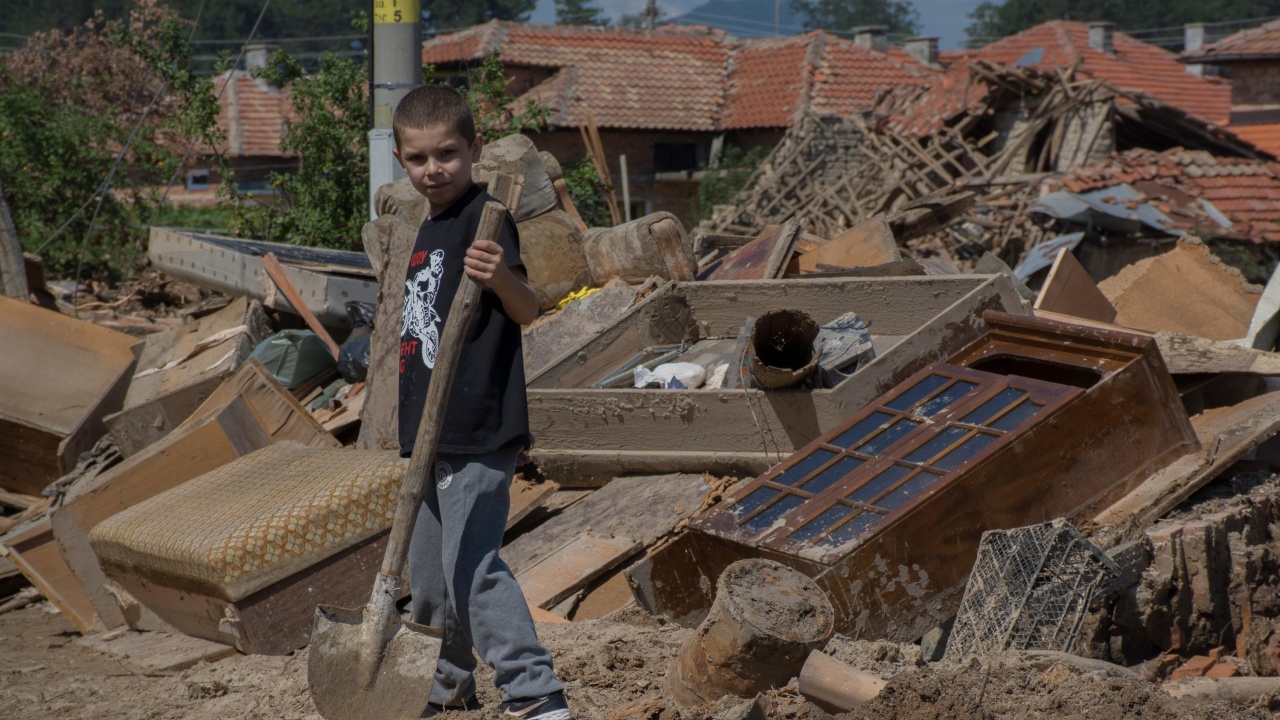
(92,122)
(838,15)
(718,187)
(325,203)
(994,20)
(491,103)
(579,12)
(586,189)
(222,20)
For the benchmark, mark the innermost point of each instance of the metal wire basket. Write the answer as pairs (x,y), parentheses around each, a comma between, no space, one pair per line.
(1030,589)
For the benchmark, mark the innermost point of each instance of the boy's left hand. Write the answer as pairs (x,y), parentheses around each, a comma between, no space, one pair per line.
(483,262)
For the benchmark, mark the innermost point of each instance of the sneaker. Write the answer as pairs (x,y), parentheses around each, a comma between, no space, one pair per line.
(547,707)
(472,703)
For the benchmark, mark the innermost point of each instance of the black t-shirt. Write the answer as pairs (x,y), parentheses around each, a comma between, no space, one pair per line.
(487,407)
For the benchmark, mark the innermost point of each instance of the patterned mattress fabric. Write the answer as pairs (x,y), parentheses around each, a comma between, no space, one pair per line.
(255,521)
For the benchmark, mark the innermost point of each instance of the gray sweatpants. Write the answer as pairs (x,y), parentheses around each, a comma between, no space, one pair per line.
(460,584)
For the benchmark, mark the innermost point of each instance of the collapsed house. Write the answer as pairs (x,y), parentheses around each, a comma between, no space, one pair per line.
(1000,133)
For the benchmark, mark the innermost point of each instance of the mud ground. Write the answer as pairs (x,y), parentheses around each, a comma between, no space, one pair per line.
(612,669)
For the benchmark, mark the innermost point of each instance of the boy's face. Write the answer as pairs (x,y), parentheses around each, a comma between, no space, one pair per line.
(438,161)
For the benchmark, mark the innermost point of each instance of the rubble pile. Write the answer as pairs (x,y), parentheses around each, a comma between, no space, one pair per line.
(782,464)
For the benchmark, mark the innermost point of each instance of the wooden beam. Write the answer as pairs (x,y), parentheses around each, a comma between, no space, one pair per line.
(13,270)
(281,280)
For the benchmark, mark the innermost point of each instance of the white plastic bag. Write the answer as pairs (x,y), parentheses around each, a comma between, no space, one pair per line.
(671,376)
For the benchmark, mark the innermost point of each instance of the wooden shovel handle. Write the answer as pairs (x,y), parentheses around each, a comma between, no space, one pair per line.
(421,461)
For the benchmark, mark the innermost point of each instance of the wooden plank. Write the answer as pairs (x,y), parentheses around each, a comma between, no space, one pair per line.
(36,554)
(13,273)
(864,245)
(606,597)
(1186,290)
(550,337)
(282,281)
(179,368)
(1226,434)
(580,468)
(642,508)
(526,497)
(59,377)
(156,652)
(761,259)
(20,501)
(1188,354)
(1070,291)
(571,566)
(892,306)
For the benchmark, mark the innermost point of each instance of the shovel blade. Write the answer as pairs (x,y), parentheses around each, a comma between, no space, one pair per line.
(403,681)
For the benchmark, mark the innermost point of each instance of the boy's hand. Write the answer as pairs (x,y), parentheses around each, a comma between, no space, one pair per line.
(483,262)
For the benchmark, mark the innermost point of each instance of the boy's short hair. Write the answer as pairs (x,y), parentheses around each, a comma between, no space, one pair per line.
(434,105)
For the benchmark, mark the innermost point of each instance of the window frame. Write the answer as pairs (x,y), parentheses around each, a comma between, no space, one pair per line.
(778,533)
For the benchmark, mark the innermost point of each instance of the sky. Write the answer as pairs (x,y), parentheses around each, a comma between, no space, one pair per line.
(944,18)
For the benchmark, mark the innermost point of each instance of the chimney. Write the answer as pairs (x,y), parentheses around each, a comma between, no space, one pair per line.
(1193,37)
(872,37)
(1101,37)
(257,55)
(923,49)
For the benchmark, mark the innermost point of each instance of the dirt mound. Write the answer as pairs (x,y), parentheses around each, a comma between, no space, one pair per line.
(1004,688)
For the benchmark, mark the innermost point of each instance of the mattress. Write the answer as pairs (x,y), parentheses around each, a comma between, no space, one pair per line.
(253,522)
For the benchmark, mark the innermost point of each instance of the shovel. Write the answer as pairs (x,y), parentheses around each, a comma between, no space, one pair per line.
(366,663)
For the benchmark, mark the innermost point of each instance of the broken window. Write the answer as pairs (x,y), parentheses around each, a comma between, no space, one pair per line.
(886,456)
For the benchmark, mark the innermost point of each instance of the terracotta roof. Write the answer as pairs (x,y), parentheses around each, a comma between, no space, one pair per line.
(1247,192)
(1254,43)
(1135,66)
(769,80)
(672,78)
(685,77)
(1265,137)
(252,116)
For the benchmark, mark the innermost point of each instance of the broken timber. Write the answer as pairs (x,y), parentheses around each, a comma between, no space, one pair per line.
(59,377)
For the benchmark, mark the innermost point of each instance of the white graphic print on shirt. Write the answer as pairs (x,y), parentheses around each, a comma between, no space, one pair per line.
(420,316)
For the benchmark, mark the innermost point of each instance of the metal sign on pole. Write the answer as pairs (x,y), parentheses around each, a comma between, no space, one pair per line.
(397,69)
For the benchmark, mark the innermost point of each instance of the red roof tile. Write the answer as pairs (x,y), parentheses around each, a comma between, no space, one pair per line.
(1264,137)
(768,82)
(1247,192)
(685,77)
(1135,66)
(252,116)
(1254,43)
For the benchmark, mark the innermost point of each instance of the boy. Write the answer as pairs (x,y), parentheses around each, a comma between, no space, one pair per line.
(458,581)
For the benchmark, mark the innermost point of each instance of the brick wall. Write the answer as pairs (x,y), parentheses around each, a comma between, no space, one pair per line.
(1255,83)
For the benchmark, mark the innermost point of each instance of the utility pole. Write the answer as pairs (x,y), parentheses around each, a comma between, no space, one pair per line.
(397,69)
(650,14)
